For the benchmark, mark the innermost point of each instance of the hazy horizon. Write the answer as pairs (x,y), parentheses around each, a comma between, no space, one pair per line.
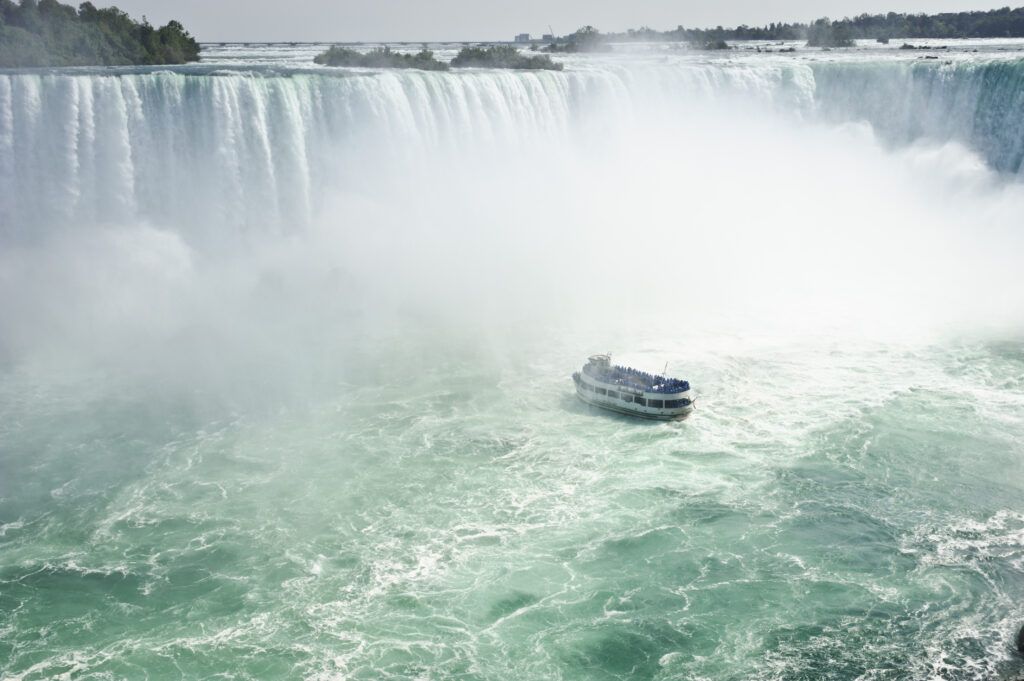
(461,20)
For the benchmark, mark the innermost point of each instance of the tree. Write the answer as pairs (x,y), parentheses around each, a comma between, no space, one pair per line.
(826,33)
(48,33)
(380,57)
(502,56)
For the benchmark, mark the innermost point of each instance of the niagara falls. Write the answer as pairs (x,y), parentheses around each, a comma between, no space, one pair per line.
(287,355)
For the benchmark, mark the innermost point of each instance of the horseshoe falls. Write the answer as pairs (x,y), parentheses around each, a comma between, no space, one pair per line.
(286,357)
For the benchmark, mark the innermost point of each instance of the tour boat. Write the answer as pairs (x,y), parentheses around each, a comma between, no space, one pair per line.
(631,391)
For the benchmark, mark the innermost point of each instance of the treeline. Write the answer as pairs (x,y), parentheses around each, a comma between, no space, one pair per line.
(380,57)
(48,33)
(498,56)
(998,23)
(502,57)
(586,39)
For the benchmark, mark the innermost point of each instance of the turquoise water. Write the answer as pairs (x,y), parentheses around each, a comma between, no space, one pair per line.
(334,436)
(828,512)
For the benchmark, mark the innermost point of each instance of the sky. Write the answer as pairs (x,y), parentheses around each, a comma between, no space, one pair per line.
(465,20)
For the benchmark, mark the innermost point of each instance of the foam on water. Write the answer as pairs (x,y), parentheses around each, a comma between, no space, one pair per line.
(286,354)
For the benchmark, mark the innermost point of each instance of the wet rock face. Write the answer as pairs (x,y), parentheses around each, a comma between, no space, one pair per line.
(1020,640)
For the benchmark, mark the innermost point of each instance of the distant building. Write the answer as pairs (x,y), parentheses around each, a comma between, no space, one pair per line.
(548,37)
(523,38)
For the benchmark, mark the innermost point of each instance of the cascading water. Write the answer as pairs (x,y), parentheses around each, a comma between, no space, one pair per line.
(98,148)
(976,103)
(285,361)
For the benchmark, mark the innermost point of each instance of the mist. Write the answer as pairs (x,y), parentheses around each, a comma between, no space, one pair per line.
(306,219)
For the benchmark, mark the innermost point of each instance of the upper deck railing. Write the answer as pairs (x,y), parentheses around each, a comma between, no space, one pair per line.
(636,379)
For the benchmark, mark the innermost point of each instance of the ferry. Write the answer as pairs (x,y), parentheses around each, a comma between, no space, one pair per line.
(630,391)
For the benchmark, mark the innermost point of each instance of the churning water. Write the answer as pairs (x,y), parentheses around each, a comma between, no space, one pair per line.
(285,359)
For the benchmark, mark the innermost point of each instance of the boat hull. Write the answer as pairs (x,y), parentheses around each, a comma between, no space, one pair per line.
(619,407)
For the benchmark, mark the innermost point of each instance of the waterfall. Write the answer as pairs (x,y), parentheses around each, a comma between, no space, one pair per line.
(977,103)
(235,152)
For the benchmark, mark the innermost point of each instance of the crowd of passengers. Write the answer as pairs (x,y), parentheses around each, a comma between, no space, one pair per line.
(627,376)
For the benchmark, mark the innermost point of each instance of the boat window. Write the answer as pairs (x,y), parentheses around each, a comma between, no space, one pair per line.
(673,404)
(657,404)
(641,401)
(627,398)
(612,393)
(599,391)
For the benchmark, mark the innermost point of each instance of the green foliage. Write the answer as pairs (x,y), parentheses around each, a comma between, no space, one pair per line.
(20,48)
(502,57)
(825,33)
(339,56)
(585,39)
(703,38)
(997,23)
(48,33)
(587,35)
(380,57)
(561,47)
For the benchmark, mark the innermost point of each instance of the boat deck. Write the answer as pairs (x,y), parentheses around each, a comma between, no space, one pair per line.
(635,379)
